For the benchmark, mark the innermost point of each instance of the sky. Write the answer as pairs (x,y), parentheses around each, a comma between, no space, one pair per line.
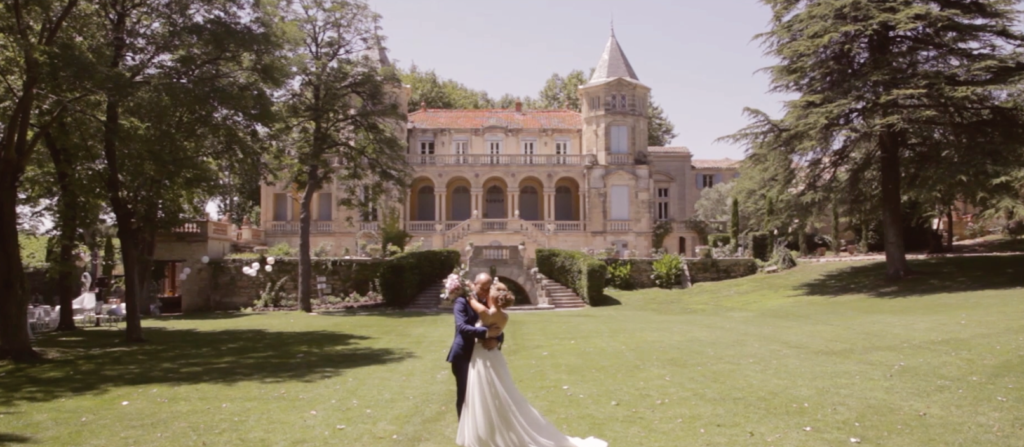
(698,56)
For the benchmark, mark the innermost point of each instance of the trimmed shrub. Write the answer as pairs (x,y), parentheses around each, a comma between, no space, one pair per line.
(580,272)
(761,246)
(719,240)
(620,275)
(406,275)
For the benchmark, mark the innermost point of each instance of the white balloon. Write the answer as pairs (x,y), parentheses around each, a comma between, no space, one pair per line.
(186,270)
(205,259)
(268,268)
(253,272)
(182,276)
(255,265)
(270,260)
(245,270)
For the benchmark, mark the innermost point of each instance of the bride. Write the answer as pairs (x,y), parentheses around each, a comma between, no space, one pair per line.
(495,413)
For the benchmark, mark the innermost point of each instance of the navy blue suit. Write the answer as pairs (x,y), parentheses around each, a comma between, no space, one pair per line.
(461,351)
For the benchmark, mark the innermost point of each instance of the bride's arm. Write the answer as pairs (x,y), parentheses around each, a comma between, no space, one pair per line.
(485,314)
(478,307)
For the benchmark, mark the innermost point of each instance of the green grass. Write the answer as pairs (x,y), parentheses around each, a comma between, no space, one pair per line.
(937,360)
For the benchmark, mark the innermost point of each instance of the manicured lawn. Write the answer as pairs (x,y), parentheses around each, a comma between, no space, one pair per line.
(810,357)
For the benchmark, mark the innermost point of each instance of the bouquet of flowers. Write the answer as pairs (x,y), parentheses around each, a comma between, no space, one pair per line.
(456,285)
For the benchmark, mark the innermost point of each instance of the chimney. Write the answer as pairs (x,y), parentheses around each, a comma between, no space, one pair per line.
(519,106)
(423,106)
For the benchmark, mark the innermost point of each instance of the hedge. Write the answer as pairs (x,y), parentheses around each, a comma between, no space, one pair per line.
(406,275)
(580,272)
(719,239)
(761,246)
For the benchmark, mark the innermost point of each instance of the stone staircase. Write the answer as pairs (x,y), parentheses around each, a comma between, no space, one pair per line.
(561,296)
(428,300)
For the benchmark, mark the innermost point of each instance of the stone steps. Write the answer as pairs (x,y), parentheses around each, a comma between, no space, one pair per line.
(428,300)
(562,297)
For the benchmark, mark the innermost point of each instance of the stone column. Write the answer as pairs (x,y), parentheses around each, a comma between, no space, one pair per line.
(549,206)
(583,204)
(511,205)
(477,213)
(444,208)
(437,206)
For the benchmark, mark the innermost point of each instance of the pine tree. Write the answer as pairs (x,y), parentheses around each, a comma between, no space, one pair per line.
(881,83)
(734,223)
(660,131)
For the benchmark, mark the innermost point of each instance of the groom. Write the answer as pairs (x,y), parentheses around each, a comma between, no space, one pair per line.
(465,332)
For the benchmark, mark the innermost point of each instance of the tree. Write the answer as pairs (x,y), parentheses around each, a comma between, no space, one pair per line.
(435,92)
(340,117)
(29,32)
(714,203)
(900,80)
(562,92)
(183,85)
(660,131)
(734,222)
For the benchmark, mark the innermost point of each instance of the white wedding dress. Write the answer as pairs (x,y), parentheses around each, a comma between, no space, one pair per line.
(495,414)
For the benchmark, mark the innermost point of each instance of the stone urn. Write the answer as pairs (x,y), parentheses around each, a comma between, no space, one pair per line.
(522,249)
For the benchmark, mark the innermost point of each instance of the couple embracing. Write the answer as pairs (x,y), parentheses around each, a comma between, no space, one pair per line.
(492,412)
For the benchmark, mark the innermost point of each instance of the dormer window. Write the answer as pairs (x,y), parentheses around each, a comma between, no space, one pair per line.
(622,102)
(595,103)
(612,102)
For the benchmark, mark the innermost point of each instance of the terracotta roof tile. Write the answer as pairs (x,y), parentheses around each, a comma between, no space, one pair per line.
(478,119)
(715,164)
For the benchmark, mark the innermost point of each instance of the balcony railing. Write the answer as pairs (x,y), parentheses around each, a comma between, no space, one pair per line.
(495,225)
(421,227)
(497,159)
(620,226)
(501,252)
(283,228)
(369,226)
(322,227)
(620,159)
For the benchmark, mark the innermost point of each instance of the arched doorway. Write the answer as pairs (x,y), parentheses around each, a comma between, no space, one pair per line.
(529,203)
(522,296)
(462,207)
(564,203)
(495,203)
(425,204)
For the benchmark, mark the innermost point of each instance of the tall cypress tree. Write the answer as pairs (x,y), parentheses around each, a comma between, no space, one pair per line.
(882,82)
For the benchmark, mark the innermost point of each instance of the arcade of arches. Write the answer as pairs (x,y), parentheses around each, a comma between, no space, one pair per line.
(530,200)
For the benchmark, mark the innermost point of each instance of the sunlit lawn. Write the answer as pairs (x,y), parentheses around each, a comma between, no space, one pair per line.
(811,357)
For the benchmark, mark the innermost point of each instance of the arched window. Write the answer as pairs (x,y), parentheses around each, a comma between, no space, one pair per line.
(563,203)
(461,203)
(529,203)
(425,204)
(495,199)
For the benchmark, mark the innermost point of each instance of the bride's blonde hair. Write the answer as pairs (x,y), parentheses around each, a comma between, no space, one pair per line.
(503,298)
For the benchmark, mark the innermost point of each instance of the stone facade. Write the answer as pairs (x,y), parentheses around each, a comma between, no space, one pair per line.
(550,178)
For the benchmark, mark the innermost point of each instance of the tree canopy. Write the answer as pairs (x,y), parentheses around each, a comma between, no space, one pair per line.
(890,90)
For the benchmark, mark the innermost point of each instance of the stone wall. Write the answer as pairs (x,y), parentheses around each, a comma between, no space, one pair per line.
(701,270)
(709,270)
(230,289)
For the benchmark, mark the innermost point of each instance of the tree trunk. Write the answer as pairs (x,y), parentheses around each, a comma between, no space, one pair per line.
(892,206)
(14,340)
(67,215)
(305,259)
(132,285)
(836,242)
(949,230)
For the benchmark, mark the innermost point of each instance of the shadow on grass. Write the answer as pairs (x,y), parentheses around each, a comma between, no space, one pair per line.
(931,276)
(203,316)
(94,361)
(11,439)
(608,300)
(386,313)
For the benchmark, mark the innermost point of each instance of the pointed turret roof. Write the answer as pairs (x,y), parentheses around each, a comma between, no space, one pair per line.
(613,63)
(376,52)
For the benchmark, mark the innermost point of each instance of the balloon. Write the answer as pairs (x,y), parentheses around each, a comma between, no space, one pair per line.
(186,270)
(268,268)
(205,259)
(270,260)
(245,270)
(182,276)
(255,265)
